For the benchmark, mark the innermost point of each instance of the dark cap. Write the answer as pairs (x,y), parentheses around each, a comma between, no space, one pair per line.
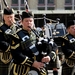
(70,23)
(8,11)
(27,15)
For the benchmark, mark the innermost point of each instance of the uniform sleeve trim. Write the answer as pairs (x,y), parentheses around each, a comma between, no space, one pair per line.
(24,60)
(73,54)
(8,49)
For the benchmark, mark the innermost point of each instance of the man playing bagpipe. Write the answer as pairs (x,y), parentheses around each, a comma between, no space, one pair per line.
(53,64)
(6,27)
(68,48)
(24,49)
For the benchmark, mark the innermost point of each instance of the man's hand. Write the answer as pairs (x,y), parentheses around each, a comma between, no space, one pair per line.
(38,65)
(46,59)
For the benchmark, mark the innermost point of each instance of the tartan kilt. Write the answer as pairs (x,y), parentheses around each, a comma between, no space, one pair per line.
(51,65)
(19,69)
(66,70)
(4,68)
(54,64)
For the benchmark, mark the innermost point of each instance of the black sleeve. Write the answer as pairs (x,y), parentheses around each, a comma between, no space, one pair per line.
(66,47)
(53,51)
(21,52)
(21,58)
(55,47)
(4,45)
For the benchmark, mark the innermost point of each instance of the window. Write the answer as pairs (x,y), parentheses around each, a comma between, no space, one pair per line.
(68,1)
(15,8)
(22,8)
(50,1)
(50,8)
(22,1)
(22,5)
(18,4)
(68,4)
(14,2)
(68,8)
(74,2)
(41,1)
(46,5)
(0,7)
(41,8)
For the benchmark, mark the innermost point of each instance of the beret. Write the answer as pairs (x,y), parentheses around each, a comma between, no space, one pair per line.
(70,23)
(27,15)
(8,11)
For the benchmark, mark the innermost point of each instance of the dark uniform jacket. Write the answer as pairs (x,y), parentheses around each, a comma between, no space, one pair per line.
(22,45)
(5,52)
(20,49)
(4,39)
(68,45)
(68,48)
(23,48)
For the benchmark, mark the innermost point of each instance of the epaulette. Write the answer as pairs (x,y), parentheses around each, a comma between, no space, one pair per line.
(1,24)
(0,30)
(28,61)
(15,34)
(18,29)
(16,25)
(65,36)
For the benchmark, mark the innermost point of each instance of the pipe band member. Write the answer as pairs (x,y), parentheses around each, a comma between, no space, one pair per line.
(68,48)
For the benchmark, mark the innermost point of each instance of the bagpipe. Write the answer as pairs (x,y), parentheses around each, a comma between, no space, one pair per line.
(44,45)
